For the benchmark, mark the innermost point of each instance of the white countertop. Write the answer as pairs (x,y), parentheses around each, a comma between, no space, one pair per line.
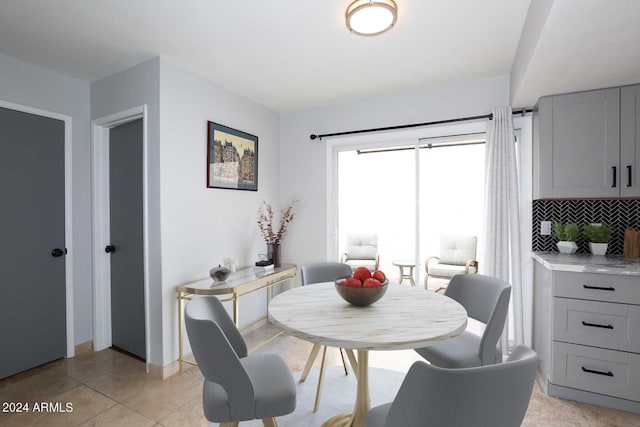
(587,263)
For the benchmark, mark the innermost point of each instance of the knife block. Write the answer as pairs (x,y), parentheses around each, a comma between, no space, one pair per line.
(631,243)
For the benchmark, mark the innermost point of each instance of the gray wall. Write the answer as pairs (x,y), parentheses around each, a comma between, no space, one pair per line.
(192,228)
(305,175)
(37,87)
(200,225)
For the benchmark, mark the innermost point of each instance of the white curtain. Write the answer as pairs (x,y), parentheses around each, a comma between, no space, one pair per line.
(502,219)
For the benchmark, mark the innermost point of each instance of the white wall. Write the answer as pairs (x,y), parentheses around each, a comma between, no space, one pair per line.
(200,225)
(134,87)
(36,87)
(304,171)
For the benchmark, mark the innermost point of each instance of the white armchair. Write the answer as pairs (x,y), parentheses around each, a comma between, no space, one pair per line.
(362,250)
(457,256)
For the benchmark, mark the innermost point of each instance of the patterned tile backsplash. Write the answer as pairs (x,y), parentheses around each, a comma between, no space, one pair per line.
(619,214)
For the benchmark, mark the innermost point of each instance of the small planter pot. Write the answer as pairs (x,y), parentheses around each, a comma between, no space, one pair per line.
(598,248)
(566,247)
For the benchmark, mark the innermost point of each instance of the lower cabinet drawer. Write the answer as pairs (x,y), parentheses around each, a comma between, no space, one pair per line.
(595,323)
(597,287)
(609,372)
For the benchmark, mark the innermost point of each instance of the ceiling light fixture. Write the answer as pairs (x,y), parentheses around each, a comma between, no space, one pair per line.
(371,17)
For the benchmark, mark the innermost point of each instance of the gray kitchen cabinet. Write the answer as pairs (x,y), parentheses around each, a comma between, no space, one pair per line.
(630,141)
(577,145)
(586,332)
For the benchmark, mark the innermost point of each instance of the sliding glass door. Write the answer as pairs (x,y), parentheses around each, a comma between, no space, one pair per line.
(410,196)
(451,192)
(377,195)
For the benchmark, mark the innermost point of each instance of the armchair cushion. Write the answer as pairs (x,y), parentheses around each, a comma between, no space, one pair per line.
(361,246)
(355,263)
(448,270)
(361,252)
(457,250)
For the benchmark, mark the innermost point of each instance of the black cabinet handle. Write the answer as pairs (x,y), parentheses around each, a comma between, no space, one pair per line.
(628,175)
(599,288)
(110,249)
(595,325)
(591,371)
(615,176)
(57,252)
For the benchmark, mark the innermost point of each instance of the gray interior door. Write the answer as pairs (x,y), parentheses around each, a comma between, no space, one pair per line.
(32,279)
(127,259)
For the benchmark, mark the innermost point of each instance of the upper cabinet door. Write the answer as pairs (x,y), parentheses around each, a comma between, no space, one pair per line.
(630,141)
(578,145)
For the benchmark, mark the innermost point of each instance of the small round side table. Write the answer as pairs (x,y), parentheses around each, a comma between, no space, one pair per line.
(402,264)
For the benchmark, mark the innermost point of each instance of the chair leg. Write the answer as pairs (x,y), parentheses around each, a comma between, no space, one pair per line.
(269,422)
(344,362)
(352,361)
(312,358)
(320,379)
(230,424)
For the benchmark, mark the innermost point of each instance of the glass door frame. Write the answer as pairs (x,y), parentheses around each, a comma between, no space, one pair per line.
(401,138)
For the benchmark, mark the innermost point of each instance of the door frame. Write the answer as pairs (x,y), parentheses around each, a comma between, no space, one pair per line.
(68,213)
(101,224)
(407,137)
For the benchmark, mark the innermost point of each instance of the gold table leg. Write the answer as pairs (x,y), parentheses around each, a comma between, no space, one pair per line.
(180,321)
(363,401)
(236,311)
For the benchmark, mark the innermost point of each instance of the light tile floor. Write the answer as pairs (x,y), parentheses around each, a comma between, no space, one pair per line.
(107,388)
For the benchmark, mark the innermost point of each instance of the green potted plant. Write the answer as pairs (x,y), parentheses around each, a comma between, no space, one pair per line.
(598,236)
(567,234)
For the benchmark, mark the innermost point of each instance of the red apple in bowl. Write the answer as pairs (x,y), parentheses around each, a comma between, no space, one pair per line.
(379,276)
(371,282)
(352,281)
(362,273)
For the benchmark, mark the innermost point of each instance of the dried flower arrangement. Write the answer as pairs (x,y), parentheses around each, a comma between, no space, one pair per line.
(265,223)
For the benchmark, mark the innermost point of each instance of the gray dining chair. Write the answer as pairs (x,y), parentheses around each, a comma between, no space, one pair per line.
(317,273)
(486,299)
(237,387)
(493,396)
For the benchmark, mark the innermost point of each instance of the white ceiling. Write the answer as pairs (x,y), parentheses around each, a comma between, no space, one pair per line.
(289,55)
(583,44)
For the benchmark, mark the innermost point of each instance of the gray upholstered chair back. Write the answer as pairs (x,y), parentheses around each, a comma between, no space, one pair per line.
(486,299)
(217,347)
(323,272)
(494,396)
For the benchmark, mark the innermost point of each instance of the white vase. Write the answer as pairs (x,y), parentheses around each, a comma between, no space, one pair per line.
(566,247)
(598,248)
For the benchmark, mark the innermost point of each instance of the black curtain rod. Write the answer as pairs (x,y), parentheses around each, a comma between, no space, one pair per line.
(427,146)
(414,125)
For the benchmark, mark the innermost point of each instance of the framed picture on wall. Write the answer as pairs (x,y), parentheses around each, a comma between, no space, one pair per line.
(232,158)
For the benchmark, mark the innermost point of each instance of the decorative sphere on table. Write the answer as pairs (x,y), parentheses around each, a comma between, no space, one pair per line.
(361,296)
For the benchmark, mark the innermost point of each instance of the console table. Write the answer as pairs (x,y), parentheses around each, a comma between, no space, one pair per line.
(241,283)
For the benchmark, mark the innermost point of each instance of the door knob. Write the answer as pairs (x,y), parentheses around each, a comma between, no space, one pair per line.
(110,249)
(57,252)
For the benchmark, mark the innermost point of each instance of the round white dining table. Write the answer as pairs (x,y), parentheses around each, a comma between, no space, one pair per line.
(405,318)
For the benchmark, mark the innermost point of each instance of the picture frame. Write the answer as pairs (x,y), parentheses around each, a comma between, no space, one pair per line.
(232,158)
